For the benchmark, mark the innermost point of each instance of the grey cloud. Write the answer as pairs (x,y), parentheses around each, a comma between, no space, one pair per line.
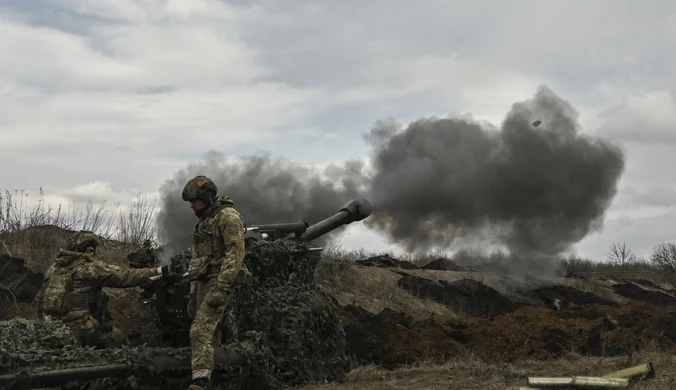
(339,43)
(643,118)
(71,163)
(640,233)
(573,45)
(49,14)
(655,196)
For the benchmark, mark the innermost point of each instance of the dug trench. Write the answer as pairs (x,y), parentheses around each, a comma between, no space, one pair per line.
(539,323)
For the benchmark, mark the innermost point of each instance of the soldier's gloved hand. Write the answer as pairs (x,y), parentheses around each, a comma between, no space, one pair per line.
(168,277)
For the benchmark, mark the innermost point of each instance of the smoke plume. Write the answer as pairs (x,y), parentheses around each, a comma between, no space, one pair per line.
(265,190)
(536,185)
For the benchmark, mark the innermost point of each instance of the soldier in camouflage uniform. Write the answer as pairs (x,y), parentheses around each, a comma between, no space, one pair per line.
(72,291)
(218,260)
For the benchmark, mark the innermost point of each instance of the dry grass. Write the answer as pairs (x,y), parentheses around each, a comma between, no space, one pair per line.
(333,250)
(596,287)
(372,289)
(634,267)
(37,233)
(467,373)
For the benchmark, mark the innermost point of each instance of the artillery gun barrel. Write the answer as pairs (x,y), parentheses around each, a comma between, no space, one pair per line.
(355,211)
(158,277)
(58,377)
(233,354)
(291,227)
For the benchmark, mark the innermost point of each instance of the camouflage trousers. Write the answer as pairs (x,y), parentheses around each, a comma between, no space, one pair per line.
(210,301)
(87,331)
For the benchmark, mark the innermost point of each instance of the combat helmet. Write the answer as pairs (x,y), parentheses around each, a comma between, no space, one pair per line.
(200,187)
(83,240)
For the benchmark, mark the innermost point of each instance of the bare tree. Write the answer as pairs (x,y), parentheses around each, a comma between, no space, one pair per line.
(574,264)
(621,254)
(664,256)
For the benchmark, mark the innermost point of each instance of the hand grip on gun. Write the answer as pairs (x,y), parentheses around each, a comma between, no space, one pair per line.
(167,276)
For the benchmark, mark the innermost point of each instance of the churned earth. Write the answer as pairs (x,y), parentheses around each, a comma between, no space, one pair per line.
(442,326)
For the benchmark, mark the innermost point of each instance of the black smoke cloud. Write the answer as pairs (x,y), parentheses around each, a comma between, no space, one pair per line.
(443,183)
(265,190)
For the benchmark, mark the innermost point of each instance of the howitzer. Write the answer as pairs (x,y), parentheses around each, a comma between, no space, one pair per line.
(354,211)
(170,302)
(275,231)
(278,328)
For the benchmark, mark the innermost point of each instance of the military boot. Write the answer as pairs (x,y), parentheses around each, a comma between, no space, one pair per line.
(199,384)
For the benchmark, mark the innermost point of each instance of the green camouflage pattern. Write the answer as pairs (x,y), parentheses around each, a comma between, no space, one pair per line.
(83,237)
(72,292)
(218,259)
(198,187)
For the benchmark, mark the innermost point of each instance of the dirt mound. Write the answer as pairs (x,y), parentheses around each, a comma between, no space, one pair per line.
(647,283)
(628,328)
(442,264)
(561,319)
(567,296)
(392,338)
(637,293)
(385,261)
(569,302)
(466,295)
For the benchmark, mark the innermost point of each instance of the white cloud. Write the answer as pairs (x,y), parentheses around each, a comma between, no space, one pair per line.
(649,117)
(104,99)
(642,234)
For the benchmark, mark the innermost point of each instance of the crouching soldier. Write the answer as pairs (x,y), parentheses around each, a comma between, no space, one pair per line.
(72,291)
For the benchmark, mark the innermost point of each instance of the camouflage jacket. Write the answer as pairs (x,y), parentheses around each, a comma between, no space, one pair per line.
(218,243)
(73,284)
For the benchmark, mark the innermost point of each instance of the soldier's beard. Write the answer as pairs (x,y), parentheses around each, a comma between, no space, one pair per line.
(208,203)
(200,213)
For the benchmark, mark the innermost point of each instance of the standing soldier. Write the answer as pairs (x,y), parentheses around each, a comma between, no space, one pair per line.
(218,259)
(72,291)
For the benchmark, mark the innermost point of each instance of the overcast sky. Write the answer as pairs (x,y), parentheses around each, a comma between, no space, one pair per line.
(103,99)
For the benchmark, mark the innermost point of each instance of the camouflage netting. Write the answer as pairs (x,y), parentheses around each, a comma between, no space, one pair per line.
(301,324)
(282,262)
(26,337)
(40,346)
